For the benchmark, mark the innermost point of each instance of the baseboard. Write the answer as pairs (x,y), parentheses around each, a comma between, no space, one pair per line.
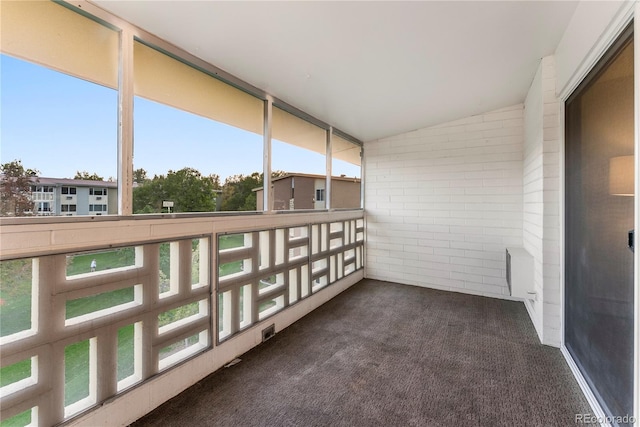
(586,390)
(529,307)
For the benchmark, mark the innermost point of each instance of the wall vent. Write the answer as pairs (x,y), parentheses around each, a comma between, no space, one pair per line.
(268,332)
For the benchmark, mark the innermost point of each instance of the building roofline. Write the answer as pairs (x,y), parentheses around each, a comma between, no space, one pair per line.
(309,175)
(43,180)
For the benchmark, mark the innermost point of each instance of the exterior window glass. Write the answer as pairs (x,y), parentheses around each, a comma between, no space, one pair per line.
(320,195)
(67,190)
(345,168)
(56,123)
(298,154)
(198,140)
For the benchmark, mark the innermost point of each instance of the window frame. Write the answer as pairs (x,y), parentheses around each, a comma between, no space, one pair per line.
(129,35)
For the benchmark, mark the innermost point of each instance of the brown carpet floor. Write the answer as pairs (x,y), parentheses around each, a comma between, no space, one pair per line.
(383,354)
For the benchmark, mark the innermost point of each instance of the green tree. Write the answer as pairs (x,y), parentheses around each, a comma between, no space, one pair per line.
(140,176)
(188,189)
(87,176)
(238,194)
(15,189)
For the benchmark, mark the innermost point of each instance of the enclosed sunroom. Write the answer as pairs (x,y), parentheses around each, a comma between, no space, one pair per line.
(495,148)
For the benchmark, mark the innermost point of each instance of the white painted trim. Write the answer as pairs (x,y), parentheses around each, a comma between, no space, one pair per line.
(562,220)
(32,240)
(362,177)
(586,390)
(636,277)
(267,191)
(125,123)
(328,168)
(618,24)
(532,317)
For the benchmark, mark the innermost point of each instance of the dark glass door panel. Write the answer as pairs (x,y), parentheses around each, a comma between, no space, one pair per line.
(599,213)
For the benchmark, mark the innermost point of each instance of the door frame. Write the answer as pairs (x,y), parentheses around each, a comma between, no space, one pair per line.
(615,29)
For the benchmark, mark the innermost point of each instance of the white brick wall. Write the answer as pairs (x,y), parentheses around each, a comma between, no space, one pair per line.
(551,198)
(443,202)
(541,217)
(533,223)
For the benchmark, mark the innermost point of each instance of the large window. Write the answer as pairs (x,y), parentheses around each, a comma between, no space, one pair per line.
(56,123)
(298,162)
(198,141)
(42,189)
(346,171)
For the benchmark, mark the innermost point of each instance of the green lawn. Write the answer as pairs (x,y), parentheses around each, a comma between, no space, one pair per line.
(126,353)
(16,372)
(15,296)
(76,364)
(123,257)
(76,372)
(20,420)
(86,305)
(178,313)
(177,346)
(228,241)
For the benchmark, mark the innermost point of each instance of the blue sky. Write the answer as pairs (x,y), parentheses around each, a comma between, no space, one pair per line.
(60,124)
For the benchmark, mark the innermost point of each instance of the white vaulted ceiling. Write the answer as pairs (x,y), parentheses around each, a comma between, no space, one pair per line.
(372,69)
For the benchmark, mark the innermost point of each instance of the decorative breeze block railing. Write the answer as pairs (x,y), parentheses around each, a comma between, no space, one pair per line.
(262,272)
(76,332)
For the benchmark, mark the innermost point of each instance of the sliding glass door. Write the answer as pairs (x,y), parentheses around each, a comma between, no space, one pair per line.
(599,218)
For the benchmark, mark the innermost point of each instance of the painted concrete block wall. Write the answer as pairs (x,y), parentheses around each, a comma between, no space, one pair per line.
(552,140)
(533,185)
(443,202)
(541,217)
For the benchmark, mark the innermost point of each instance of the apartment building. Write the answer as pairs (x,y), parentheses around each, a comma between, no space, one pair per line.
(307,191)
(74,197)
